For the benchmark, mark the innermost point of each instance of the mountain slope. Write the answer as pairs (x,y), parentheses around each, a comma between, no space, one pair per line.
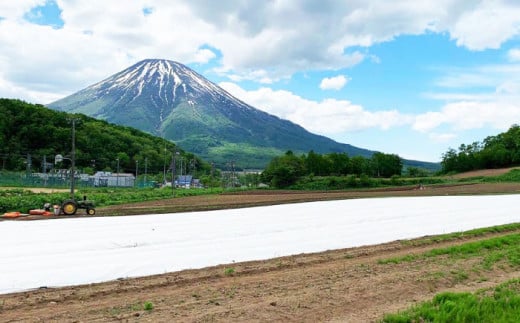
(170,100)
(36,132)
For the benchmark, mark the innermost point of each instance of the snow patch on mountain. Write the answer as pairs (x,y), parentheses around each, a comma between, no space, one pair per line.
(161,79)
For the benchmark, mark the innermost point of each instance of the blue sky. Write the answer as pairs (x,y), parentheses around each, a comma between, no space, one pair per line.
(410,79)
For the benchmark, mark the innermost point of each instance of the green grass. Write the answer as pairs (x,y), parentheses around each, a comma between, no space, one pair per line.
(464,234)
(501,304)
(493,250)
(511,176)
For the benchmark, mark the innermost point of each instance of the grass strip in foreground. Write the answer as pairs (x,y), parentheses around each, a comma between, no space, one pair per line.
(492,250)
(464,234)
(501,304)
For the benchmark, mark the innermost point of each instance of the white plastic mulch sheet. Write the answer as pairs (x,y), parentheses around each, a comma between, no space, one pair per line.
(86,250)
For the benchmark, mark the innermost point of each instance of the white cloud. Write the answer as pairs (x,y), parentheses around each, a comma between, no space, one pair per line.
(488,25)
(334,83)
(204,55)
(482,76)
(509,87)
(16,9)
(465,80)
(466,115)
(482,97)
(484,83)
(261,41)
(332,117)
(442,137)
(327,117)
(514,55)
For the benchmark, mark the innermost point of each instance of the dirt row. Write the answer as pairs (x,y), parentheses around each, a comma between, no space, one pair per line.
(269,197)
(348,285)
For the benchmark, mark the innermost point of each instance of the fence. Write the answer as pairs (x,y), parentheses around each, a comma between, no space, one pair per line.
(19,179)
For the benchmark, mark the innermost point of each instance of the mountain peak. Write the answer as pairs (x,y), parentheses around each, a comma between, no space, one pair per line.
(168,77)
(168,99)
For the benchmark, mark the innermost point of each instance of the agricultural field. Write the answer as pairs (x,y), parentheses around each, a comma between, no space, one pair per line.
(349,285)
(362,284)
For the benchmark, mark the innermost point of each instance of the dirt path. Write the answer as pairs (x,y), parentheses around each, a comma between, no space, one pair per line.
(348,285)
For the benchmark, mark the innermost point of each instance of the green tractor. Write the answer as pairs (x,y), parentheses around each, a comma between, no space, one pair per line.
(71,206)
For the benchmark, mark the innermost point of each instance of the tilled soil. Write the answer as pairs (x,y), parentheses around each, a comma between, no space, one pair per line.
(347,285)
(269,197)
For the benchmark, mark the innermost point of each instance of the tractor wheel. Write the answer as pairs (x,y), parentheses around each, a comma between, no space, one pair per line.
(69,207)
(91,211)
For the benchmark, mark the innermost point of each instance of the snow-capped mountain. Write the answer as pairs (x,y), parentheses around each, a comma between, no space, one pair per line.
(170,100)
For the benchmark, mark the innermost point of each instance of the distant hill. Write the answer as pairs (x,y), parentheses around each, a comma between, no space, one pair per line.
(168,99)
(34,132)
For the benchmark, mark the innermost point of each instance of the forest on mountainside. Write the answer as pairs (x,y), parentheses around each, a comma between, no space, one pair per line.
(500,151)
(31,135)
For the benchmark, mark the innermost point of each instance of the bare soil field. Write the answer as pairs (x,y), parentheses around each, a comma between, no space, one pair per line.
(484,172)
(348,285)
(269,197)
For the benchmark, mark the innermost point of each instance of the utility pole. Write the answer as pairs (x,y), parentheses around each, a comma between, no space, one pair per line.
(164,165)
(29,166)
(233,173)
(181,166)
(73,157)
(174,167)
(44,170)
(145,169)
(136,171)
(28,170)
(192,167)
(117,172)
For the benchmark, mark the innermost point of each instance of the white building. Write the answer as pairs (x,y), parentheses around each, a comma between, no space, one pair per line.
(109,179)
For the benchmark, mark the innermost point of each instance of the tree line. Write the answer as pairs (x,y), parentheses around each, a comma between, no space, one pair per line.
(502,150)
(285,170)
(31,133)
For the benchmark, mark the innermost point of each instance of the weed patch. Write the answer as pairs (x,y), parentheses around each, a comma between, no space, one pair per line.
(148,306)
(499,305)
(229,271)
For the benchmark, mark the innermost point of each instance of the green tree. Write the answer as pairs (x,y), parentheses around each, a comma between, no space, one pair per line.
(284,171)
(316,164)
(28,128)
(359,165)
(339,164)
(449,161)
(502,150)
(386,165)
(416,172)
